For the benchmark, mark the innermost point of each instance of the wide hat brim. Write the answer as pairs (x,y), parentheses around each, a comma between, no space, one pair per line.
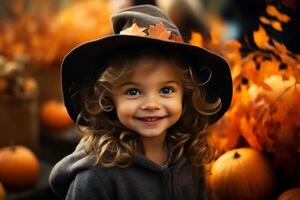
(84,64)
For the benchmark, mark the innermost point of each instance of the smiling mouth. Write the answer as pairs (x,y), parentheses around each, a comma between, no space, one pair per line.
(150,121)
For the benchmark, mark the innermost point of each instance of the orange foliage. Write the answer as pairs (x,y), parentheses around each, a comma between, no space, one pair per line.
(280,18)
(45,36)
(265,111)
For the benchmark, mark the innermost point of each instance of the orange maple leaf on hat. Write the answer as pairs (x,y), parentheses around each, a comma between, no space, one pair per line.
(176,38)
(134,29)
(159,31)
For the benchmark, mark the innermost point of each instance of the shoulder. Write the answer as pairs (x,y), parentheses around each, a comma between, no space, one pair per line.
(90,183)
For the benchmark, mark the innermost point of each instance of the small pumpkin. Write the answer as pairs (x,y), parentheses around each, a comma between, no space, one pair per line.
(291,194)
(242,174)
(2,192)
(54,115)
(19,167)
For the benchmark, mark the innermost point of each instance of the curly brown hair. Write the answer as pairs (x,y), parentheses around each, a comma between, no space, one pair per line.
(116,145)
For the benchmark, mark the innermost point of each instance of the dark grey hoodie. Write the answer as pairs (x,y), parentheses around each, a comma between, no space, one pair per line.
(78,177)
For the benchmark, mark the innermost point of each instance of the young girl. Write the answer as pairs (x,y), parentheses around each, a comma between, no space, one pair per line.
(142,98)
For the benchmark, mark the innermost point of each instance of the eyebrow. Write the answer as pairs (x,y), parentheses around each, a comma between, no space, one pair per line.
(138,84)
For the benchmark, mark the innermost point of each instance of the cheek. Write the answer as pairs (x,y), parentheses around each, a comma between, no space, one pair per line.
(175,107)
(125,110)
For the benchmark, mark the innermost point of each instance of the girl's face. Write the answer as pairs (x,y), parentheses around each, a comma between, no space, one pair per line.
(150,101)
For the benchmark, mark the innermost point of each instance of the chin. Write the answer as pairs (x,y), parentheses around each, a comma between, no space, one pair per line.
(149,134)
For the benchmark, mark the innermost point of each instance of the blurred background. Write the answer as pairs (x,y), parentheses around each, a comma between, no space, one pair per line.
(259,38)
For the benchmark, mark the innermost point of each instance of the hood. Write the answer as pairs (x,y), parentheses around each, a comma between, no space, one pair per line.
(65,171)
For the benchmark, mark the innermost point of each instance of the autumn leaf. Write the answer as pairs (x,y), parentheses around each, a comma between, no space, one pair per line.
(225,133)
(196,39)
(159,31)
(264,20)
(287,59)
(264,85)
(269,67)
(261,38)
(249,69)
(276,25)
(280,48)
(134,29)
(247,133)
(272,11)
(176,38)
(244,96)
(280,113)
(235,72)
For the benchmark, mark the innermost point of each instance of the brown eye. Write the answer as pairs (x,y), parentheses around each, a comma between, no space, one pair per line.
(133,92)
(167,90)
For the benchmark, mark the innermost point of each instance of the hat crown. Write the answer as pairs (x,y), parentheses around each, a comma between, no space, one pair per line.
(144,16)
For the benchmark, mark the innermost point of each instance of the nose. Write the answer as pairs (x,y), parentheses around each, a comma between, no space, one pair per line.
(151,102)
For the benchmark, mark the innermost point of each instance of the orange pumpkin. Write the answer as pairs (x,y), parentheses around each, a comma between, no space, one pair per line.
(19,167)
(2,192)
(54,115)
(292,194)
(241,174)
